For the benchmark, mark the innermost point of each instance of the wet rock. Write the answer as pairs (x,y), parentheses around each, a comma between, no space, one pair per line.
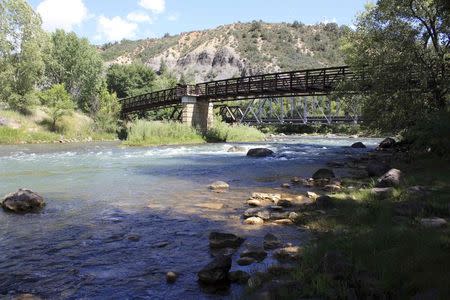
(210,205)
(134,238)
(387,143)
(245,261)
(219,186)
(284,203)
(266,196)
(324,202)
(277,208)
(216,271)
(271,242)
(289,253)
(377,168)
(260,152)
(279,215)
(239,276)
(312,195)
(433,222)
(257,212)
(391,179)
(255,252)
(234,149)
(22,201)
(223,252)
(254,221)
(161,244)
(299,180)
(224,240)
(254,202)
(323,174)
(286,186)
(171,277)
(382,193)
(358,145)
(336,264)
(283,222)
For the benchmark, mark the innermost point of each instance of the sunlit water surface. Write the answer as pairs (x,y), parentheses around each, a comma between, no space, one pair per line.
(98,195)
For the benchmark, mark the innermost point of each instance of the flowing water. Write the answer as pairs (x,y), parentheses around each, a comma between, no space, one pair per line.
(117,219)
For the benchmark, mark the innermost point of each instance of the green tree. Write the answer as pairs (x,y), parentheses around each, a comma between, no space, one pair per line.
(107,116)
(130,80)
(76,64)
(402,47)
(22,42)
(58,103)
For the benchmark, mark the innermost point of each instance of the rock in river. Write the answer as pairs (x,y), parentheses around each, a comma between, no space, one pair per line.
(323,174)
(237,149)
(219,185)
(260,152)
(271,242)
(257,212)
(224,240)
(22,201)
(239,276)
(387,143)
(254,221)
(358,145)
(255,252)
(216,271)
(171,277)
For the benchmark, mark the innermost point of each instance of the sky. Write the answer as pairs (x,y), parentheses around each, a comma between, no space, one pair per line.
(113,20)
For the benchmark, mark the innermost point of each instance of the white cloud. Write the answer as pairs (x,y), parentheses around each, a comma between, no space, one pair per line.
(173,17)
(139,17)
(62,14)
(116,28)
(156,6)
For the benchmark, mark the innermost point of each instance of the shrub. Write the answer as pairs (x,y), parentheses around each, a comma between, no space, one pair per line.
(222,132)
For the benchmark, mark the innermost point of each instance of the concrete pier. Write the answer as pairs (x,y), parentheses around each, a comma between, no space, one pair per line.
(197,113)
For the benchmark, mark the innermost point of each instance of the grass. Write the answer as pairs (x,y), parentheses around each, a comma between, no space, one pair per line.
(401,257)
(222,132)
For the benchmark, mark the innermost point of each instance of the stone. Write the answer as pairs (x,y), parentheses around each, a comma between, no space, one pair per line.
(266,196)
(245,261)
(358,145)
(312,195)
(254,221)
(277,208)
(332,188)
(171,277)
(257,212)
(134,238)
(293,216)
(376,168)
(289,253)
(391,179)
(283,222)
(279,215)
(387,143)
(382,193)
(219,185)
(299,180)
(224,240)
(324,202)
(255,252)
(23,201)
(271,242)
(286,186)
(239,276)
(210,205)
(323,174)
(254,202)
(433,222)
(161,244)
(216,271)
(234,149)
(284,203)
(260,152)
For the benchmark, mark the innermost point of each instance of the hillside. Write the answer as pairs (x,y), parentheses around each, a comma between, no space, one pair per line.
(235,50)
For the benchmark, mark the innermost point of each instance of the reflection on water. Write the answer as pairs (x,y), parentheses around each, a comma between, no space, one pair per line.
(117,219)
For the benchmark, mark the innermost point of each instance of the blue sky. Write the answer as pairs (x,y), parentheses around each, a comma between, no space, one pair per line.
(109,20)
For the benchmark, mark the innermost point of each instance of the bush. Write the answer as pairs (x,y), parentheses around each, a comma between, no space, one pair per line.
(222,132)
(145,133)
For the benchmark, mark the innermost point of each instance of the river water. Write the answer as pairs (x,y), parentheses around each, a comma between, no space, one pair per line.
(117,219)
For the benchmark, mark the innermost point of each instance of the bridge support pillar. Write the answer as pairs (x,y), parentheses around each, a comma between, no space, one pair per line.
(196,113)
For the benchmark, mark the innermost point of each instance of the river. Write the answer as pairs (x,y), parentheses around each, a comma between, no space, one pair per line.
(117,219)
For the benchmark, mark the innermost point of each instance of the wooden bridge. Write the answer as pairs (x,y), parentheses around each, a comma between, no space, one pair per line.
(197,100)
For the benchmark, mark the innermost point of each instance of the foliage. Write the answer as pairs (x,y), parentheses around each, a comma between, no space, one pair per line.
(76,64)
(223,132)
(107,116)
(21,52)
(146,133)
(130,80)
(402,47)
(58,103)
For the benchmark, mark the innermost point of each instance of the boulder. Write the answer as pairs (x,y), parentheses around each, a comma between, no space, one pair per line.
(387,143)
(234,149)
(324,202)
(359,145)
(254,221)
(288,253)
(433,222)
(323,174)
(260,152)
(279,216)
(239,276)
(245,261)
(283,222)
(171,277)
(255,252)
(266,196)
(382,193)
(224,240)
(216,271)
(376,168)
(23,201)
(271,242)
(254,202)
(257,212)
(391,179)
(219,185)
(312,195)
(284,203)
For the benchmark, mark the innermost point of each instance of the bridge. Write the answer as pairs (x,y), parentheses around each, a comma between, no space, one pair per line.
(257,96)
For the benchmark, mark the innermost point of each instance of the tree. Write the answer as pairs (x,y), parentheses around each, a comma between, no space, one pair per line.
(58,103)
(22,42)
(107,115)
(130,80)
(76,64)
(403,48)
